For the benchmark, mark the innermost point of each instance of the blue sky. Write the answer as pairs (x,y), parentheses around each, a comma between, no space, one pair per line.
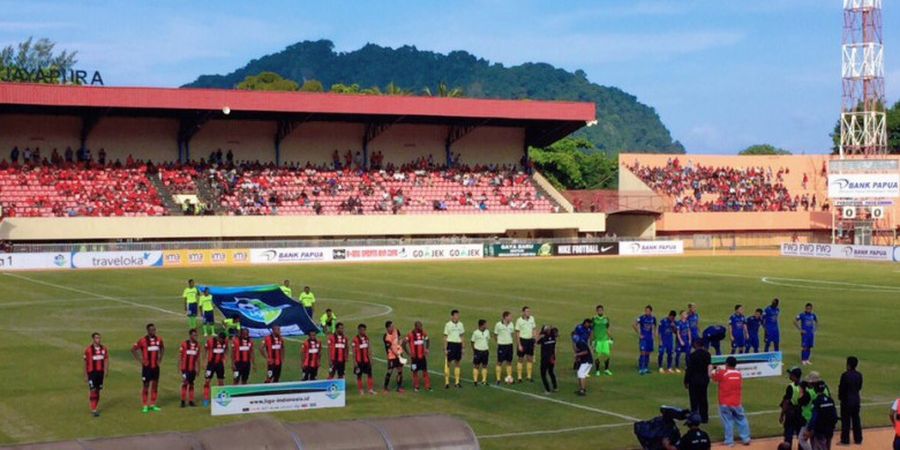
(722,74)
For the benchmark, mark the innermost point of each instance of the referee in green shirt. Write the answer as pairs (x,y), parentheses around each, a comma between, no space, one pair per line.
(602,341)
(190,303)
(503,332)
(481,339)
(453,348)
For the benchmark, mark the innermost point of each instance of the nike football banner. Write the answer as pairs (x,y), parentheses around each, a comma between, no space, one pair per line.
(259,308)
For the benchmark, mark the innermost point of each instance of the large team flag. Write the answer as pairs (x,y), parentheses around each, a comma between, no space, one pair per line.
(258,308)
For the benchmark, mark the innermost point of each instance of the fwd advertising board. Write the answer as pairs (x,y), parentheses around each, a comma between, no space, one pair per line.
(841,251)
(274,397)
(754,365)
(35,261)
(864,185)
(223,257)
(609,248)
(806,250)
(648,248)
(116,260)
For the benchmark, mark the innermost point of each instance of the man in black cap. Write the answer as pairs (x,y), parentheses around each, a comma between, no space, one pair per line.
(791,417)
(696,379)
(695,438)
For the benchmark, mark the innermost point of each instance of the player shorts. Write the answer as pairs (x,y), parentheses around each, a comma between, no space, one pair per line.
(603,347)
(150,373)
(481,357)
(808,340)
(273,371)
(337,369)
(527,348)
(645,346)
(310,373)
(667,347)
(242,371)
(739,342)
(95,381)
(217,369)
(686,348)
(419,365)
(189,376)
(363,369)
(773,336)
(192,309)
(753,341)
(454,351)
(584,370)
(209,318)
(504,353)
(395,364)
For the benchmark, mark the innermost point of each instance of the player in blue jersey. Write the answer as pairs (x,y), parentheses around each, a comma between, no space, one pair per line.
(683,335)
(770,324)
(808,323)
(645,327)
(753,324)
(693,318)
(712,337)
(738,330)
(666,333)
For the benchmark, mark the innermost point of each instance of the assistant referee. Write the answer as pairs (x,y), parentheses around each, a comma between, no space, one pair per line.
(453,348)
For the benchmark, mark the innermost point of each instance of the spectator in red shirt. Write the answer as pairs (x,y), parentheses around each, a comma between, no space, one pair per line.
(731,411)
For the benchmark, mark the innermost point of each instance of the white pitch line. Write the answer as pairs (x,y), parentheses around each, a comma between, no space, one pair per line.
(100,296)
(879,287)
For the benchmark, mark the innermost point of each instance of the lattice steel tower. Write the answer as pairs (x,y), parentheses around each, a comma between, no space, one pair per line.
(863,127)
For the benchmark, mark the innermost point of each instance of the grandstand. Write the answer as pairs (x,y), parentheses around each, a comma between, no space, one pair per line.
(151,163)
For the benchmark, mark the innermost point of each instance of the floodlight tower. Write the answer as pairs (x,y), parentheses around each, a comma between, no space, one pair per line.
(863,127)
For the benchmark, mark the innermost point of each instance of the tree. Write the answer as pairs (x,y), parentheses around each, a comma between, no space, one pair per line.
(763,149)
(444,91)
(574,163)
(393,89)
(267,81)
(312,86)
(31,55)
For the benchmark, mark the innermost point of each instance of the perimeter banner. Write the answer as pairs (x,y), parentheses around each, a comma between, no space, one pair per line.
(754,365)
(217,257)
(517,250)
(274,397)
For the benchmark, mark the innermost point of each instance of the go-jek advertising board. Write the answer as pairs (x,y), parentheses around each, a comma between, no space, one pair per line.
(274,397)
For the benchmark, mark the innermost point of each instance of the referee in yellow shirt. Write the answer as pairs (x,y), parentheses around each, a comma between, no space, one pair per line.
(525,334)
(453,348)
(190,303)
(481,339)
(503,332)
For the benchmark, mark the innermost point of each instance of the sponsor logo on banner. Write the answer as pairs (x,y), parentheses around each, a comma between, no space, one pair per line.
(445,251)
(34,261)
(274,397)
(807,250)
(610,248)
(856,252)
(120,260)
(339,254)
(639,248)
(289,255)
(754,365)
(205,257)
(861,185)
(896,254)
(866,252)
(518,250)
(376,253)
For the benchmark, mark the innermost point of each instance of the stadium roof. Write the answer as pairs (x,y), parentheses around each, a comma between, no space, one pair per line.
(544,121)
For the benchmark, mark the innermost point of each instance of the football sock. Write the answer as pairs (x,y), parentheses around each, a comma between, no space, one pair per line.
(475,374)
(499,371)
(456,374)
(446,373)
(144,396)
(529,369)
(484,373)
(519,370)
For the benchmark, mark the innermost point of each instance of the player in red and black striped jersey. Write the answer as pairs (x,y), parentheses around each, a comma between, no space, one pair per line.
(216,349)
(310,354)
(96,364)
(273,350)
(362,359)
(149,352)
(337,351)
(188,355)
(417,344)
(242,357)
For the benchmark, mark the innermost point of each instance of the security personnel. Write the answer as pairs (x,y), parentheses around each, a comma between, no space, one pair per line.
(791,418)
(695,438)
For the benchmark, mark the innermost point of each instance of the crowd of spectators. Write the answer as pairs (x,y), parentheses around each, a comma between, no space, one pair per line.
(699,188)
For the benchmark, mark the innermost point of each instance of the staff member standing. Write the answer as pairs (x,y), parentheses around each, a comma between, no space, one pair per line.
(190,303)
(308,300)
(525,334)
(848,393)
(696,380)
(731,408)
(286,288)
(207,308)
(453,348)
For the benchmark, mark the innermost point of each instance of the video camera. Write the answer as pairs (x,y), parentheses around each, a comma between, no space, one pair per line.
(650,433)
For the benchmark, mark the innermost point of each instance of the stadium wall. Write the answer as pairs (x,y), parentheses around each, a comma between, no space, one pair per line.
(45,132)
(314,142)
(215,227)
(145,138)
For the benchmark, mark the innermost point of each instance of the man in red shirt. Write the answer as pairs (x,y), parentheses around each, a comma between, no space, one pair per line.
(216,349)
(149,352)
(731,410)
(242,358)
(418,343)
(273,351)
(362,358)
(337,351)
(310,353)
(189,353)
(96,365)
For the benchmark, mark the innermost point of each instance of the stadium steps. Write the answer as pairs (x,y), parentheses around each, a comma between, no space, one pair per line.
(547,191)
(168,201)
(208,196)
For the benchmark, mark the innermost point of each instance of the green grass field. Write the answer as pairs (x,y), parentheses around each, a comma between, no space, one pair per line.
(47,318)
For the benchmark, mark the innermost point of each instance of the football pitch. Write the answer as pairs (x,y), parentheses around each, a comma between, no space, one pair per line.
(47,318)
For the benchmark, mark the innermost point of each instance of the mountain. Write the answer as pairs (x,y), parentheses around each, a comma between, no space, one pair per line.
(624,124)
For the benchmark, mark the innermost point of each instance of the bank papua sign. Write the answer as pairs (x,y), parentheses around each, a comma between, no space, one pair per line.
(864,185)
